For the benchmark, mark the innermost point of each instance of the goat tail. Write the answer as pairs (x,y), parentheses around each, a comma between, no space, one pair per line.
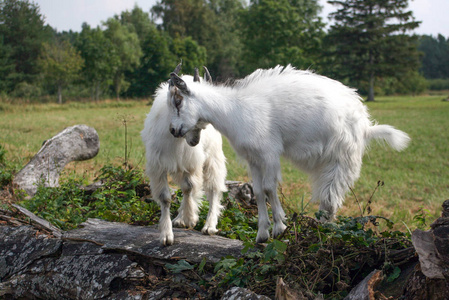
(397,139)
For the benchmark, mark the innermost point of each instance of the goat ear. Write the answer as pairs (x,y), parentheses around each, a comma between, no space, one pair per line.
(179,83)
(207,76)
(196,75)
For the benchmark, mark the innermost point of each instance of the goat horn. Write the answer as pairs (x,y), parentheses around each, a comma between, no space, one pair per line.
(207,76)
(178,68)
(196,76)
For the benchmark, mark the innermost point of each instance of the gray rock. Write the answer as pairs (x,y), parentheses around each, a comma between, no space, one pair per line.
(237,293)
(76,143)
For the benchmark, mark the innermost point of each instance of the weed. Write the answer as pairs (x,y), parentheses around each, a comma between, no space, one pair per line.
(6,174)
(69,204)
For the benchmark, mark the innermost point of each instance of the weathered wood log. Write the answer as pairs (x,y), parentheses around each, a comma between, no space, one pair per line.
(365,290)
(432,246)
(39,222)
(190,245)
(102,259)
(430,279)
(76,143)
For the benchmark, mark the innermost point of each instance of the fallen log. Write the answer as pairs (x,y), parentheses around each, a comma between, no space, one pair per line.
(76,143)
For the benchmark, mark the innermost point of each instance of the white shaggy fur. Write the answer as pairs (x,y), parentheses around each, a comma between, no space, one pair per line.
(189,167)
(316,122)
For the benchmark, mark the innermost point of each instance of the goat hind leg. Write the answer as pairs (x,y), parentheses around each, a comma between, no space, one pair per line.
(214,196)
(330,188)
(270,183)
(264,222)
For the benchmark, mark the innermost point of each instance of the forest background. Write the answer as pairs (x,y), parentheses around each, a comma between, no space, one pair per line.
(370,46)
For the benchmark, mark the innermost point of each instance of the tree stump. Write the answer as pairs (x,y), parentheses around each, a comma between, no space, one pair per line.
(76,143)
(430,279)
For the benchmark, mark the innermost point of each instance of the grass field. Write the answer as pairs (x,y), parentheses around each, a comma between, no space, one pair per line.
(415,179)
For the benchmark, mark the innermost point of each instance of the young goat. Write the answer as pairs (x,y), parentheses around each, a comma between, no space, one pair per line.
(189,166)
(316,122)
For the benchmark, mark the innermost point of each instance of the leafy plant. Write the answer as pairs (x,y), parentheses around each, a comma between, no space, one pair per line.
(180,266)
(69,204)
(237,222)
(6,174)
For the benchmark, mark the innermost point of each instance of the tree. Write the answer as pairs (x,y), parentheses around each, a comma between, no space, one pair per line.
(6,64)
(369,40)
(156,62)
(191,54)
(435,61)
(60,63)
(126,47)
(228,57)
(22,32)
(281,32)
(206,23)
(97,52)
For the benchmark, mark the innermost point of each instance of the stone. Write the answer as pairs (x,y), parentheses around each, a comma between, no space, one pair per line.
(76,143)
(238,293)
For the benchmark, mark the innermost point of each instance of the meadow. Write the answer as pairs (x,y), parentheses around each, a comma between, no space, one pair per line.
(416,181)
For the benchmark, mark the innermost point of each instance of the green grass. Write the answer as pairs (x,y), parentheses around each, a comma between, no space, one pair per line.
(414,179)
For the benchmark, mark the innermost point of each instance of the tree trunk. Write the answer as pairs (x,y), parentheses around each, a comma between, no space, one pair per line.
(371,88)
(59,94)
(118,85)
(97,91)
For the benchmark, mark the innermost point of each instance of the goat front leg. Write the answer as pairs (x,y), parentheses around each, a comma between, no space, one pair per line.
(161,191)
(191,194)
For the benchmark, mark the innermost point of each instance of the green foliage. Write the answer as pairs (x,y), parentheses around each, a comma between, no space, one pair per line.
(368,41)
(435,58)
(329,258)
(68,205)
(126,52)
(438,84)
(97,52)
(63,206)
(281,32)
(22,32)
(6,175)
(236,222)
(192,19)
(156,62)
(421,218)
(180,266)
(26,90)
(60,64)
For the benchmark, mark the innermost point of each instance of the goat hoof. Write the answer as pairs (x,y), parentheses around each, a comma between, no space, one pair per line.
(278,229)
(209,230)
(181,223)
(166,240)
(262,237)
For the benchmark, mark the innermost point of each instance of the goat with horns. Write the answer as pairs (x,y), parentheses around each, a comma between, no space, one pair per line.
(198,165)
(318,123)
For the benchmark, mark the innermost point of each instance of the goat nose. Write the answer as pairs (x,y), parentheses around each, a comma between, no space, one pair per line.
(172,131)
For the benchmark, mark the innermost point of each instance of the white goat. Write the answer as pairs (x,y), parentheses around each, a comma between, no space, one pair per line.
(318,123)
(188,166)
